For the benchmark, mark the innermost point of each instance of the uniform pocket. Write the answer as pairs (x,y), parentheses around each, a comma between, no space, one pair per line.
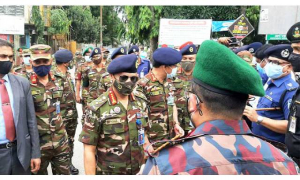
(114,131)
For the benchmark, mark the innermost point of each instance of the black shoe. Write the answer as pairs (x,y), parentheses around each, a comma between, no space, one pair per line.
(74,171)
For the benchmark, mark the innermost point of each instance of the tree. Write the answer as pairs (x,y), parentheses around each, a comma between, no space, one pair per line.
(39,24)
(59,23)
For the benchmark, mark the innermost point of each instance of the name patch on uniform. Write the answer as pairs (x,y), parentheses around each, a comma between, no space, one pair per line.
(292,127)
(113,121)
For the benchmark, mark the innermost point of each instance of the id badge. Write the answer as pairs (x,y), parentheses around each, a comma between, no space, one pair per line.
(292,127)
(57,107)
(170,100)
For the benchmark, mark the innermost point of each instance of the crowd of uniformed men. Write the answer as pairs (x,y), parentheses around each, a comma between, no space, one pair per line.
(215,109)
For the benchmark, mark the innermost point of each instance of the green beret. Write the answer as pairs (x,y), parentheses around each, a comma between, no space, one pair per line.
(89,49)
(220,70)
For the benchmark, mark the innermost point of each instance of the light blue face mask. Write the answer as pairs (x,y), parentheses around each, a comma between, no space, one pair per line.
(172,74)
(26,61)
(273,71)
(87,58)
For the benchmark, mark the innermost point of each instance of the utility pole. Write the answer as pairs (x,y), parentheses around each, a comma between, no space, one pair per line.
(101,27)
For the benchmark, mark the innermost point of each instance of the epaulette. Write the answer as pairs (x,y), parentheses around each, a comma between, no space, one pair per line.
(97,103)
(33,78)
(104,74)
(144,81)
(139,95)
(112,98)
(291,86)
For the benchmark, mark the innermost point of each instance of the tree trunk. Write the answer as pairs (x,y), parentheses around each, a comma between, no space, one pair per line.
(153,47)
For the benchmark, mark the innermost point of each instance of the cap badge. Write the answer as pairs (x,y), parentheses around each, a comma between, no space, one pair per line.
(96,50)
(251,50)
(122,50)
(285,53)
(296,32)
(191,49)
(134,50)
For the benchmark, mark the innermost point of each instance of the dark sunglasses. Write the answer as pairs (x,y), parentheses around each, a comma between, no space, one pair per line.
(193,99)
(5,56)
(41,61)
(124,78)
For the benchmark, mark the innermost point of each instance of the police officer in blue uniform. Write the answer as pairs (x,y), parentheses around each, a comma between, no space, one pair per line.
(252,48)
(144,64)
(272,123)
(261,62)
(292,137)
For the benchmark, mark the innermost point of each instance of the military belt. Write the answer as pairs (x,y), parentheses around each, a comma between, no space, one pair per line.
(8,145)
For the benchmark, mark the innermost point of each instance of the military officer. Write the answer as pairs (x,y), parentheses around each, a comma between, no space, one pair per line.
(114,130)
(292,136)
(163,118)
(92,75)
(78,80)
(182,83)
(78,59)
(144,64)
(222,143)
(272,124)
(26,68)
(105,81)
(69,111)
(49,96)
(105,53)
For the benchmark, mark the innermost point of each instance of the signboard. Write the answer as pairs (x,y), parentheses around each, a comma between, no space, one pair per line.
(12,20)
(277,19)
(241,28)
(178,31)
(218,26)
(270,37)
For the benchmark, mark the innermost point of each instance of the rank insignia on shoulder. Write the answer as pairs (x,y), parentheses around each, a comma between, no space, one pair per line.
(112,98)
(33,78)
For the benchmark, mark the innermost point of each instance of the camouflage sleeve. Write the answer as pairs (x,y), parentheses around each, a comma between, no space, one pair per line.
(78,72)
(91,128)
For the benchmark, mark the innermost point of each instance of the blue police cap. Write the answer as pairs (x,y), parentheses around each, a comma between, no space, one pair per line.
(243,48)
(281,51)
(95,52)
(167,56)
(63,56)
(119,51)
(126,63)
(133,49)
(254,46)
(260,52)
(189,49)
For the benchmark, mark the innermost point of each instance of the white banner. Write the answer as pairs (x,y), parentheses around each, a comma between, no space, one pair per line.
(12,25)
(175,32)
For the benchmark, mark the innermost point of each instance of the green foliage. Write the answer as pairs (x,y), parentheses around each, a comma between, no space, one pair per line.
(36,18)
(59,22)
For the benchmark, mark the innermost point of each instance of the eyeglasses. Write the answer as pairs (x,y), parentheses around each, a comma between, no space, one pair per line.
(124,78)
(275,62)
(5,56)
(192,102)
(41,61)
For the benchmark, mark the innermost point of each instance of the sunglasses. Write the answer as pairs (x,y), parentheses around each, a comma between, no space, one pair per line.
(96,57)
(5,56)
(124,78)
(41,61)
(193,101)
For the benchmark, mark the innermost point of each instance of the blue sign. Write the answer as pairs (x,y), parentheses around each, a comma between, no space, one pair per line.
(218,26)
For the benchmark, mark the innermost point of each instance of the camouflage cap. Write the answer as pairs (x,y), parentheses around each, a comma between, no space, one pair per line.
(40,51)
(26,52)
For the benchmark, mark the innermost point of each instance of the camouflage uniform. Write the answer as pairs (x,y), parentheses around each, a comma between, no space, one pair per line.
(91,77)
(221,147)
(52,132)
(161,123)
(85,90)
(105,81)
(69,111)
(113,130)
(78,61)
(182,84)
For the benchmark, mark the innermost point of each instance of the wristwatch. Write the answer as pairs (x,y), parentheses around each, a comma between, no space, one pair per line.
(260,119)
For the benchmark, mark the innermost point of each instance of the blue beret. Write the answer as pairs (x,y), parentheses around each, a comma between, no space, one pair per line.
(126,63)
(167,56)
(281,51)
(189,49)
(133,49)
(260,52)
(254,46)
(63,56)
(119,51)
(293,34)
(95,52)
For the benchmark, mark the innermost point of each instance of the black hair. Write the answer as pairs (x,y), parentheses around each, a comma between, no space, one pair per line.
(5,43)
(227,105)
(156,64)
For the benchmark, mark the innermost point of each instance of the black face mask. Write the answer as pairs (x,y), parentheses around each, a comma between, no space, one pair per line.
(294,59)
(124,88)
(5,67)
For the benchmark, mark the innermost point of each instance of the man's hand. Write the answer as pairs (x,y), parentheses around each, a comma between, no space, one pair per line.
(78,99)
(148,147)
(251,114)
(224,40)
(178,130)
(35,165)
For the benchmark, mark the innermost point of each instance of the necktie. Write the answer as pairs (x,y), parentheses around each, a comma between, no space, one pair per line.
(7,113)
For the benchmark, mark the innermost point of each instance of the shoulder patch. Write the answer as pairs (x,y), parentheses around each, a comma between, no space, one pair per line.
(139,95)
(143,81)
(104,74)
(291,86)
(97,103)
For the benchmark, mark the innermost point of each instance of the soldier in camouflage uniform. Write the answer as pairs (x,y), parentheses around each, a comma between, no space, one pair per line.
(78,79)
(114,130)
(105,81)
(92,76)
(182,83)
(105,53)
(222,143)
(163,122)
(69,111)
(78,59)
(26,68)
(49,96)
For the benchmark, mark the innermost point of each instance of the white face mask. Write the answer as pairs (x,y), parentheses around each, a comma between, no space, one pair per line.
(87,58)
(26,60)
(173,73)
